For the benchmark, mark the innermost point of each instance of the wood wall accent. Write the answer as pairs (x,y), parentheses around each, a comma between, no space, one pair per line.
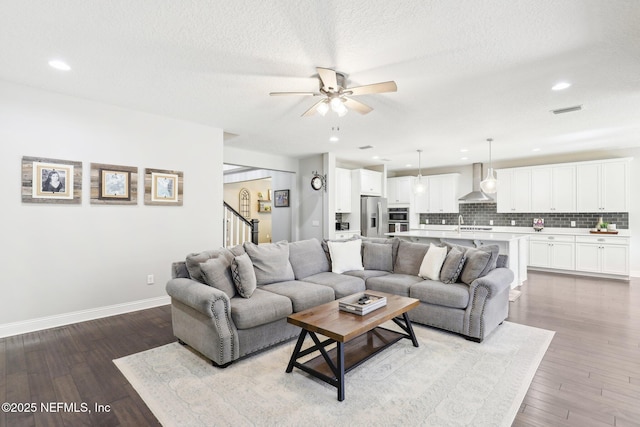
(95,185)
(27,181)
(147,187)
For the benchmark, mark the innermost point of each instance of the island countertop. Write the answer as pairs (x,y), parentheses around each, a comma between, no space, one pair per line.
(462,235)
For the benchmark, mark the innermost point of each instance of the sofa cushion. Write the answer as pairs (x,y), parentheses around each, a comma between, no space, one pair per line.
(303,295)
(394,242)
(307,258)
(432,262)
(452,266)
(342,284)
(244,276)
(475,264)
(377,256)
(270,262)
(263,307)
(455,295)
(397,284)
(410,256)
(345,256)
(217,274)
(365,274)
(193,261)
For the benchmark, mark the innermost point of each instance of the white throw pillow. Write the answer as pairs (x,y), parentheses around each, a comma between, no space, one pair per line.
(432,262)
(345,256)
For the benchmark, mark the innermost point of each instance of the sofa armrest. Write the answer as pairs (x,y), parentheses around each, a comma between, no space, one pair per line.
(200,297)
(488,303)
(496,281)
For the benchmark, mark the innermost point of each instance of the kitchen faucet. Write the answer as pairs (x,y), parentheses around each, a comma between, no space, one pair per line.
(460,221)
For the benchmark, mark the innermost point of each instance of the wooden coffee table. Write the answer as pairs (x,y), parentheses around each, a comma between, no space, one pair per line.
(357,338)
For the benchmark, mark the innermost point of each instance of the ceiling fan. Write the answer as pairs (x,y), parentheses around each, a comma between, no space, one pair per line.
(336,95)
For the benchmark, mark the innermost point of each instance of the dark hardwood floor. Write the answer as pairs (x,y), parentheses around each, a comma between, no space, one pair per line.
(590,376)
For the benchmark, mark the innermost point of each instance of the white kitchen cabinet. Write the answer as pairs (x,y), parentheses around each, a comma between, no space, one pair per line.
(600,254)
(553,188)
(547,251)
(441,195)
(603,186)
(343,190)
(369,182)
(514,190)
(399,190)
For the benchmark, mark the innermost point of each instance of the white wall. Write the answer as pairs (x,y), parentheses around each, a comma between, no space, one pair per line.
(61,259)
(312,212)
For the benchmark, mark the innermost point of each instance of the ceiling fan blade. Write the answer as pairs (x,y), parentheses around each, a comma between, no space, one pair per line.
(311,111)
(329,79)
(358,106)
(294,93)
(374,88)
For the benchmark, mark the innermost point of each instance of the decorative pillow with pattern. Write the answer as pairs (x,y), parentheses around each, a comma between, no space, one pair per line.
(452,267)
(243,275)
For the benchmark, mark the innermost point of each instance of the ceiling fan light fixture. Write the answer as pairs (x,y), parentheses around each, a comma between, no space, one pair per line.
(490,184)
(323,108)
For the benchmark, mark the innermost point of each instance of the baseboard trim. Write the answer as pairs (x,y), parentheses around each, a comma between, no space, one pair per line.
(32,325)
(635,273)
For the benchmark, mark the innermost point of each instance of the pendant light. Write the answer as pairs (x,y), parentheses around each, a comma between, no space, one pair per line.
(419,186)
(490,183)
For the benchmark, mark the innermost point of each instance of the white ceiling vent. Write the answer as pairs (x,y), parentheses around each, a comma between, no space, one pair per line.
(567,110)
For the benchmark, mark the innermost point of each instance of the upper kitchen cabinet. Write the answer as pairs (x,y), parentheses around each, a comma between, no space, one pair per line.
(603,186)
(514,190)
(399,190)
(343,190)
(553,188)
(369,182)
(441,195)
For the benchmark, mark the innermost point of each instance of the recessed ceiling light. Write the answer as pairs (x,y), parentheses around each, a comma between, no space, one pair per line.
(59,65)
(334,139)
(375,157)
(561,86)
(463,150)
(536,149)
(464,158)
(408,165)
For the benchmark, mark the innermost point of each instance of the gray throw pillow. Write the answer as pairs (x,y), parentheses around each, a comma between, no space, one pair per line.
(217,274)
(410,256)
(493,250)
(270,262)
(452,267)
(307,258)
(194,260)
(377,256)
(394,242)
(244,275)
(475,264)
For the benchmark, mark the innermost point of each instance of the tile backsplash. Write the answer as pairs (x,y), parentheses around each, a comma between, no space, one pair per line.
(482,213)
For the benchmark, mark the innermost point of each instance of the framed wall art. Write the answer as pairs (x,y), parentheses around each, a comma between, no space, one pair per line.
(112,184)
(281,198)
(162,187)
(51,181)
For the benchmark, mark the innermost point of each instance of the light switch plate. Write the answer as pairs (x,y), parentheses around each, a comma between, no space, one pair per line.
(490,222)
(444,222)
(573,223)
(513,222)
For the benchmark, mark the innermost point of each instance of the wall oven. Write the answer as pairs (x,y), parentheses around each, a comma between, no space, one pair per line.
(399,215)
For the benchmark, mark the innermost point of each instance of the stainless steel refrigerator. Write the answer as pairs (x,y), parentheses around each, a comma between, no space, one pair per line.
(374,218)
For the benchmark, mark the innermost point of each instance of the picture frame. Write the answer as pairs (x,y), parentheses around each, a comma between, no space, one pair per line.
(163,187)
(281,198)
(114,184)
(47,180)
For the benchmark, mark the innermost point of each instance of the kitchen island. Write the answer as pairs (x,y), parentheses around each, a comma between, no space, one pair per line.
(516,246)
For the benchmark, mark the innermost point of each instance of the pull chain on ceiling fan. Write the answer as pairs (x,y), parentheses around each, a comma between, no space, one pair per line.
(337,96)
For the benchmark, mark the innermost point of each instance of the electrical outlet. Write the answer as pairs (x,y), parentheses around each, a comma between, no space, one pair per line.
(426,221)
(315,223)
(573,223)
(444,222)
(150,280)
(513,222)
(490,222)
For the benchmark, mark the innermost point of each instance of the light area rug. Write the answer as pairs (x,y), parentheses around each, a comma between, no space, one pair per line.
(447,381)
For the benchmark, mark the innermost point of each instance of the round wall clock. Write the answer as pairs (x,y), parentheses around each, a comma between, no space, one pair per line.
(316,182)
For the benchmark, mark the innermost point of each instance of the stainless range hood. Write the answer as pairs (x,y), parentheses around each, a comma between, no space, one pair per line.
(477,195)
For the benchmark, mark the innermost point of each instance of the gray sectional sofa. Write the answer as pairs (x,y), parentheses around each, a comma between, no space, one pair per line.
(229,303)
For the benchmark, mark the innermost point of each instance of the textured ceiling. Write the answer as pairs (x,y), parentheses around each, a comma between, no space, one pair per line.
(465,70)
